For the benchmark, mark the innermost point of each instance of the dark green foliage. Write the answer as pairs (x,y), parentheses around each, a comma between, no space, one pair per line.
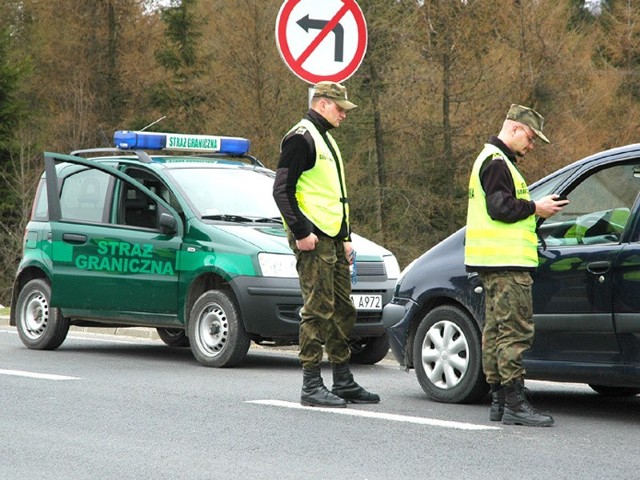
(10,105)
(12,110)
(179,95)
(579,15)
(182,32)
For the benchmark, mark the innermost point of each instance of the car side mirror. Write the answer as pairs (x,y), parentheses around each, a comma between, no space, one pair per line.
(168,224)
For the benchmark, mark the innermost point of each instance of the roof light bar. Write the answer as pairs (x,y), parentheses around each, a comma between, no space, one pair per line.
(128,140)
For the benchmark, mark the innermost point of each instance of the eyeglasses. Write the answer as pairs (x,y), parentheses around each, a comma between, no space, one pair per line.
(338,107)
(532,139)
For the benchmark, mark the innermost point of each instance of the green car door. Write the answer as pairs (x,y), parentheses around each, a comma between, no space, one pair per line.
(110,255)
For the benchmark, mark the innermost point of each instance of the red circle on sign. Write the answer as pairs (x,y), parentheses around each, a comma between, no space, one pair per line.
(296,66)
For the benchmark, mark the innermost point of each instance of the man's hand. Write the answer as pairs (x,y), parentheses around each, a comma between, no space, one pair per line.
(307,243)
(549,205)
(348,251)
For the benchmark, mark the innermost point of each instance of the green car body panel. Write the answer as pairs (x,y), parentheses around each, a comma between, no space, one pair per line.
(104,271)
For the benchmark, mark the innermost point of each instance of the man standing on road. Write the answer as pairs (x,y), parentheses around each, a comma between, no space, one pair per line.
(502,246)
(310,191)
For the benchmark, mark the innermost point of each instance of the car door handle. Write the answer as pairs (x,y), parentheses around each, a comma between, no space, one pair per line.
(74,238)
(599,268)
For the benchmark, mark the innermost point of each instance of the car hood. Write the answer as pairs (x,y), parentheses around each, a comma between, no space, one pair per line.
(274,239)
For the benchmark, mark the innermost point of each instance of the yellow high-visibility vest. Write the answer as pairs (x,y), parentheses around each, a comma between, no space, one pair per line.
(491,243)
(321,191)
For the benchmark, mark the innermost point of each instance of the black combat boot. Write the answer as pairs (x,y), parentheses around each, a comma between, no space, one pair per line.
(345,387)
(518,410)
(314,393)
(497,402)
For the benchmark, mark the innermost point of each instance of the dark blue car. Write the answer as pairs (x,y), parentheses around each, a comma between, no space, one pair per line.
(586,292)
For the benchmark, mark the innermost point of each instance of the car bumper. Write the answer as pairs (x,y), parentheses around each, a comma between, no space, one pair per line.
(270,307)
(396,318)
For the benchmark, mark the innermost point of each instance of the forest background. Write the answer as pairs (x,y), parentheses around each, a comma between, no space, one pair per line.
(436,82)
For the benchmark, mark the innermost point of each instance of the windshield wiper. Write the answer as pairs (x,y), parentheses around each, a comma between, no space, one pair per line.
(268,220)
(231,217)
(226,217)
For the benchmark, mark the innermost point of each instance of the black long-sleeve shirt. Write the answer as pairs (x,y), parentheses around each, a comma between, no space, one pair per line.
(298,154)
(500,191)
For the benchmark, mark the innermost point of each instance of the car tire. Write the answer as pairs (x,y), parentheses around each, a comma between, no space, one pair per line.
(173,337)
(615,391)
(447,357)
(216,334)
(40,327)
(369,350)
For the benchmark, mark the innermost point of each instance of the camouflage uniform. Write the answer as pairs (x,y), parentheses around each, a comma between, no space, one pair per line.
(508,328)
(311,194)
(328,315)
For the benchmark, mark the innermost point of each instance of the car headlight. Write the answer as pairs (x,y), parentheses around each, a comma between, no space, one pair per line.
(277,265)
(392,266)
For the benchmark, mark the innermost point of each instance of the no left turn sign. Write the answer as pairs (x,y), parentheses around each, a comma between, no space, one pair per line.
(321,40)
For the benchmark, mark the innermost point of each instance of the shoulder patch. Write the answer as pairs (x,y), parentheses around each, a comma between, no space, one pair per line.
(302,131)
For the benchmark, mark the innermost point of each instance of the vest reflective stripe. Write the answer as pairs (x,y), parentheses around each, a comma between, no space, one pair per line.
(491,243)
(321,189)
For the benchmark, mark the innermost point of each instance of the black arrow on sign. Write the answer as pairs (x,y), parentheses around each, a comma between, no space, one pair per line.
(307,24)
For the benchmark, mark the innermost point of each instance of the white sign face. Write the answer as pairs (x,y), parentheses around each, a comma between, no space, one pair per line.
(321,40)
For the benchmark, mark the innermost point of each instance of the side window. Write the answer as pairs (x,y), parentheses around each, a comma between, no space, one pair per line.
(136,208)
(599,208)
(40,209)
(140,210)
(83,196)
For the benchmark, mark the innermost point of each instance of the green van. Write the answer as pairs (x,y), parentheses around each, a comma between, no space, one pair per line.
(179,233)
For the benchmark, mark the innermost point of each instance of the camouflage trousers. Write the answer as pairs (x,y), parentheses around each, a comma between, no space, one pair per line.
(508,325)
(328,315)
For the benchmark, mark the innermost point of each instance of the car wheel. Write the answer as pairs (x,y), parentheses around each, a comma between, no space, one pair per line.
(174,337)
(369,350)
(447,356)
(216,334)
(615,391)
(39,326)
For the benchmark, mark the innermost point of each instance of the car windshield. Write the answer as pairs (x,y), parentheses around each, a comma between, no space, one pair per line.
(549,185)
(228,194)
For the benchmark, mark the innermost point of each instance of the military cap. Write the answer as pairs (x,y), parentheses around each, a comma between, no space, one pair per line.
(334,91)
(528,117)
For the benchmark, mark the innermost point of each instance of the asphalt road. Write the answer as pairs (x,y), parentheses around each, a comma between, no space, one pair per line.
(117,407)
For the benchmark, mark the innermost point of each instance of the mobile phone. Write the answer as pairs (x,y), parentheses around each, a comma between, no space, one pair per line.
(561,197)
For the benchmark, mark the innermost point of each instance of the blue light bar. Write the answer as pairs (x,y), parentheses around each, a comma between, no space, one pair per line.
(127,140)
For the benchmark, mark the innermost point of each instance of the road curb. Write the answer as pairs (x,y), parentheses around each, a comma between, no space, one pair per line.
(137,332)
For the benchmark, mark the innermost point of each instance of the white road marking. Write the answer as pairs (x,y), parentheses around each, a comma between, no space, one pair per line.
(378,415)
(43,376)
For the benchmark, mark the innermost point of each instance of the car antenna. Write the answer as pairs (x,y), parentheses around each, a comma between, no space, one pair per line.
(104,136)
(153,123)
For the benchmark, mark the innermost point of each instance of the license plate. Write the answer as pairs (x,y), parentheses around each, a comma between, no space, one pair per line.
(367,302)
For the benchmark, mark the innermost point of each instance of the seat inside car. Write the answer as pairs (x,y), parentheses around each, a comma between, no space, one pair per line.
(139,210)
